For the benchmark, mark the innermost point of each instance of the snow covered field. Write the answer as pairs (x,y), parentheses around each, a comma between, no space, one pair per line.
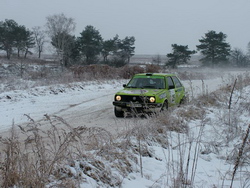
(90,104)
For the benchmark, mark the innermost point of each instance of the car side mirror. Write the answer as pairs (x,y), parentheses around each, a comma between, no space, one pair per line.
(170,87)
(124,85)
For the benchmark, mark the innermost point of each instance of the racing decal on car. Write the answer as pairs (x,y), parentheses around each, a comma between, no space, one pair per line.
(172,95)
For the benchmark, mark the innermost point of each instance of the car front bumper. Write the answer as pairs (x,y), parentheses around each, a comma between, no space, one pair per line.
(146,107)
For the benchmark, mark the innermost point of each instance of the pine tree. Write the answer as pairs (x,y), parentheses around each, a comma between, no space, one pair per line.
(180,55)
(214,48)
(90,44)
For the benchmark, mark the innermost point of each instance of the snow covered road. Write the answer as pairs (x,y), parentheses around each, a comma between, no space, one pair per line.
(88,103)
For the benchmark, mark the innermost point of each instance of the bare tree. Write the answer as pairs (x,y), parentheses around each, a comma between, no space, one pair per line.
(239,58)
(157,59)
(59,27)
(40,38)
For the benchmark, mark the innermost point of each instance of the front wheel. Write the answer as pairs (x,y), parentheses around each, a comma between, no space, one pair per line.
(118,113)
(164,106)
(183,101)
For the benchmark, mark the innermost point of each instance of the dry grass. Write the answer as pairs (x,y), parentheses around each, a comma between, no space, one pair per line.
(30,158)
(34,157)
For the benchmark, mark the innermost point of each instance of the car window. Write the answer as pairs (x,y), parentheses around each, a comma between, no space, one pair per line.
(155,83)
(170,83)
(177,82)
(133,83)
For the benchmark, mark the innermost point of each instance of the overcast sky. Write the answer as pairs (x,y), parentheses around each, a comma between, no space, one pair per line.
(155,24)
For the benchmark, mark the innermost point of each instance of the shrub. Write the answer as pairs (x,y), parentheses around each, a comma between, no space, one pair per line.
(152,68)
(93,72)
(127,71)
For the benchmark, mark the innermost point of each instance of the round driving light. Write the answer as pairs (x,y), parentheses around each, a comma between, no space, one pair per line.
(152,99)
(118,98)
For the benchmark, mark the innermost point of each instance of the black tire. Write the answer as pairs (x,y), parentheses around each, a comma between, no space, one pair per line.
(118,113)
(183,101)
(164,106)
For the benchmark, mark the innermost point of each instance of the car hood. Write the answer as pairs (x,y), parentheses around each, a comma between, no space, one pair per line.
(132,91)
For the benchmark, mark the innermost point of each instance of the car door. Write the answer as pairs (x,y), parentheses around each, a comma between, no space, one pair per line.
(171,90)
(179,90)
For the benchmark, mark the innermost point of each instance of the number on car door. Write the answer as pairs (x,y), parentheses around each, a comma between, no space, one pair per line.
(171,89)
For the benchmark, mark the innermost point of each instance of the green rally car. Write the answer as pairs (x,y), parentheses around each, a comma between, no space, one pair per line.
(149,92)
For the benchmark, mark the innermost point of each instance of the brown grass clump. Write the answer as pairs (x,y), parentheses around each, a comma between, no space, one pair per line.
(93,72)
(33,157)
(190,112)
(217,98)
(152,68)
(127,71)
(30,160)
(171,122)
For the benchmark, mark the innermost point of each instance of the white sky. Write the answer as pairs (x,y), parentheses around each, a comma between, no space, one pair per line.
(155,24)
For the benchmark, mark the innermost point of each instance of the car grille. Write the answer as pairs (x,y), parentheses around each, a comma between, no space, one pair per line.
(139,99)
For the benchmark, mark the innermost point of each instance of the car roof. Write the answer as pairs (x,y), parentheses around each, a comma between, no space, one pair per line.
(155,74)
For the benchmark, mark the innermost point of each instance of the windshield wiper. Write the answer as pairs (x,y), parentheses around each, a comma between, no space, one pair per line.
(149,87)
(131,87)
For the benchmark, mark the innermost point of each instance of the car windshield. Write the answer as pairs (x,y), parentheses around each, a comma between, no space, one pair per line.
(154,83)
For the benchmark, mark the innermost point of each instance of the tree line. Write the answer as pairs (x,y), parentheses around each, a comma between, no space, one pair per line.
(15,37)
(85,49)
(214,51)
(90,46)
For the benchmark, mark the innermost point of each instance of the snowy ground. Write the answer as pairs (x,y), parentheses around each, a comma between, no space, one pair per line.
(90,104)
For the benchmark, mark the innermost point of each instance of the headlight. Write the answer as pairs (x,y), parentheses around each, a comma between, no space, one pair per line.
(118,98)
(152,99)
